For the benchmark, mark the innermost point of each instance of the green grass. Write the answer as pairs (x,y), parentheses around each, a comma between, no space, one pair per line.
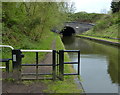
(86,17)
(45,43)
(111,31)
(106,27)
(106,39)
(68,85)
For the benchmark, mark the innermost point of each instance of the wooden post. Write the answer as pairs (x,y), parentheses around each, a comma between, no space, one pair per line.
(61,64)
(16,61)
(36,65)
(54,64)
(78,62)
(7,68)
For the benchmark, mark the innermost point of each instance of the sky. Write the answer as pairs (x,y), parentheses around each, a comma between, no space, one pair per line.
(92,6)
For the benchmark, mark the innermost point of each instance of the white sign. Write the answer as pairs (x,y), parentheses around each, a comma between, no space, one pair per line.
(2,67)
(14,58)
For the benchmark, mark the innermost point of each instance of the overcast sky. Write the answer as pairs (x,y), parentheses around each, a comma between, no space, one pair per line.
(91,6)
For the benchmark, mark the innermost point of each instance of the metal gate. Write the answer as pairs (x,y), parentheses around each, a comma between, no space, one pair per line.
(17,63)
(57,65)
(62,63)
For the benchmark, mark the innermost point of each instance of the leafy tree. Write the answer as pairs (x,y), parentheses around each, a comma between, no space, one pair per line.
(33,18)
(115,6)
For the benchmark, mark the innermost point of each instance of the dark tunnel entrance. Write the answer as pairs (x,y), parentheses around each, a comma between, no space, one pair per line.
(67,31)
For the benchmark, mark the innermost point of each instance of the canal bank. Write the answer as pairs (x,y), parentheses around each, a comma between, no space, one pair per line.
(70,84)
(99,64)
(108,41)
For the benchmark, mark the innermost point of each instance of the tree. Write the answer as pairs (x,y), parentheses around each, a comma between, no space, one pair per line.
(33,18)
(115,6)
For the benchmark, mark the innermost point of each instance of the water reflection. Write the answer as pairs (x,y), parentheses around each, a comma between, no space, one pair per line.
(99,64)
(76,44)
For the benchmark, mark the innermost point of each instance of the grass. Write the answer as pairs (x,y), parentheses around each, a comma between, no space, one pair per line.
(86,17)
(106,39)
(43,44)
(106,27)
(68,85)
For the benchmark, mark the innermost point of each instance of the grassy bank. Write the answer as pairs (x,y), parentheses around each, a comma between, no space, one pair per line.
(22,41)
(86,17)
(68,85)
(106,27)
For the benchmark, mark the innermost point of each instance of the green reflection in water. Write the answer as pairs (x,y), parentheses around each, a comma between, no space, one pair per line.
(91,47)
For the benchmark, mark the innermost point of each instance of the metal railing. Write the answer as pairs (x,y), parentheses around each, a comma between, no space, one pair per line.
(58,62)
(6,60)
(7,46)
(17,62)
(36,50)
(62,63)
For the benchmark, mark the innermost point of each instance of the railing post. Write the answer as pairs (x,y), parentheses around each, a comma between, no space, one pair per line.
(16,62)
(36,65)
(61,64)
(7,68)
(54,64)
(78,62)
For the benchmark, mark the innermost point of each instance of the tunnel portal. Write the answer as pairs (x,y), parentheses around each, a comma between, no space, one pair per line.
(67,31)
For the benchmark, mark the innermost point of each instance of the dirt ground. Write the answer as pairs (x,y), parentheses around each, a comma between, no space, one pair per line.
(11,86)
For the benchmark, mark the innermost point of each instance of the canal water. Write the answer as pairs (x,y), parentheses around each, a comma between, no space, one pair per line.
(99,64)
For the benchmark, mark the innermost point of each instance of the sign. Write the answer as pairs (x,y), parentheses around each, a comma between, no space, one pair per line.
(14,57)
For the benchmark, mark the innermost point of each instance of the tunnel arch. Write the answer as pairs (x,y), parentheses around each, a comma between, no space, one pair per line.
(67,31)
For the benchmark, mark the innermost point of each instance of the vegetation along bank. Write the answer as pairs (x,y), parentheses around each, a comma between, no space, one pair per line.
(106,27)
(106,30)
(27,25)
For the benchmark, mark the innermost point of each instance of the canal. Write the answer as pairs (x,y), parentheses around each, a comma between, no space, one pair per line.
(99,64)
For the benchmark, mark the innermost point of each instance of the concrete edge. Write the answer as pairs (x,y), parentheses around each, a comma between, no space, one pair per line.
(101,41)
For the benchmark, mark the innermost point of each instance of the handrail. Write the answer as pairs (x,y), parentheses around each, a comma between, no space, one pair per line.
(2,67)
(71,50)
(7,46)
(36,50)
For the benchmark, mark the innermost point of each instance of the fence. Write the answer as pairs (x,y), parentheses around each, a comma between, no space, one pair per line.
(58,63)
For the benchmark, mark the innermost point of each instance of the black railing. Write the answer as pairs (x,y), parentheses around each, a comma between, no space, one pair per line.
(7,63)
(57,63)
(62,63)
